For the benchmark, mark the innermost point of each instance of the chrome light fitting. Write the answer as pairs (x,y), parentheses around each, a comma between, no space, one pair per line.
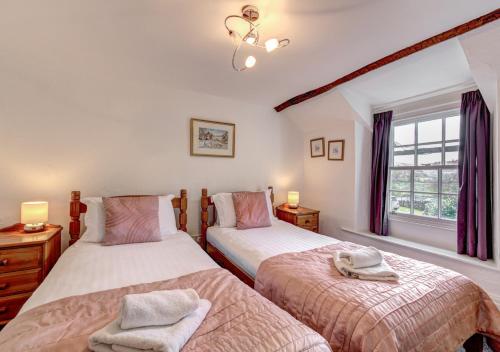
(250,14)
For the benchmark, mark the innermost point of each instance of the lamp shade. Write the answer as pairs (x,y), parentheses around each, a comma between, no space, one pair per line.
(34,212)
(293,199)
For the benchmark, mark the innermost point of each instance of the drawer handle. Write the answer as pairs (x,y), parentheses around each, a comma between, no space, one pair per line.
(3,310)
(308,221)
(4,286)
(4,262)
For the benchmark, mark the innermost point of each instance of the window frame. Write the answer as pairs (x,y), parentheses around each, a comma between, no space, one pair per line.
(420,219)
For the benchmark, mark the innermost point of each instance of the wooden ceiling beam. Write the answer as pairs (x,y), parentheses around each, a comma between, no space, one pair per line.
(451,33)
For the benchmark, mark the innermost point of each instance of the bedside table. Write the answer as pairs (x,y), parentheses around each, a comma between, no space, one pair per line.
(25,260)
(302,217)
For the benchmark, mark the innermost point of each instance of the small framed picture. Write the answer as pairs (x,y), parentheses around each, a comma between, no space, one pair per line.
(336,150)
(212,138)
(317,147)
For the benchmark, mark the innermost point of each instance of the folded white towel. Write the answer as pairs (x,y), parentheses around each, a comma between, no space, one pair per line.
(362,257)
(169,338)
(157,308)
(381,272)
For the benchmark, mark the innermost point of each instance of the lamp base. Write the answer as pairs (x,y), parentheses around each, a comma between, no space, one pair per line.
(292,206)
(34,227)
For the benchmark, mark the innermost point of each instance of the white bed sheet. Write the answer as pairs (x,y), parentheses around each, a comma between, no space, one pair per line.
(249,248)
(90,267)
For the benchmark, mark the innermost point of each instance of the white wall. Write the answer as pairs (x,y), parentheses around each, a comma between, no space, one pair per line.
(129,137)
(329,185)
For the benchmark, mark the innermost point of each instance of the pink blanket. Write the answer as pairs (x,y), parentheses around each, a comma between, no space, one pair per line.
(429,309)
(239,320)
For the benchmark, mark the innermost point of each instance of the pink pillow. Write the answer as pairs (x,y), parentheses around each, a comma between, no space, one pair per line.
(131,220)
(251,210)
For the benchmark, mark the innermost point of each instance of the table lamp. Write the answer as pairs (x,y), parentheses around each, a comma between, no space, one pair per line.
(34,215)
(293,199)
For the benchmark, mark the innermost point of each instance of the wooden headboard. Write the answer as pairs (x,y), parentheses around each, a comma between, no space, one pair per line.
(76,208)
(206,203)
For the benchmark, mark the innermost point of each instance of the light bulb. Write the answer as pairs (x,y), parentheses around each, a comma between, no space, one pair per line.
(250,40)
(250,62)
(271,44)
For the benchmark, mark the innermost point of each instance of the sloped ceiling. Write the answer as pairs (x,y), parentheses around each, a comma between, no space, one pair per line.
(482,49)
(183,43)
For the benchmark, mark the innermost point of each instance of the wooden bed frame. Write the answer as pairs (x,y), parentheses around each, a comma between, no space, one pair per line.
(206,222)
(76,208)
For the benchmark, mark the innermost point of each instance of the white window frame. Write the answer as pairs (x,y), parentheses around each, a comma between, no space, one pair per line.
(418,219)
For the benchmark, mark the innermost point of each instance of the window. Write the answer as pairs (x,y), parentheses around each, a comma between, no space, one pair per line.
(423,179)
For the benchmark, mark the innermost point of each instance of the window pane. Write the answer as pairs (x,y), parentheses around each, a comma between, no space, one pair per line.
(426,181)
(430,131)
(404,134)
(449,207)
(449,181)
(452,127)
(451,153)
(401,180)
(400,202)
(425,204)
(429,154)
(404,156)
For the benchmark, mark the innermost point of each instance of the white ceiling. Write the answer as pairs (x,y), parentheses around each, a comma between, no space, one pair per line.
(183,43)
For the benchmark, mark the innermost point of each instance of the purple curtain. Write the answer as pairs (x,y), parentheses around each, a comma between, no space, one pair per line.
(380,170)
(474,217)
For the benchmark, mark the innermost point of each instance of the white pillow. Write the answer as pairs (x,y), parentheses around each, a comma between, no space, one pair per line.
(166,215)
(226,215)
(95,218)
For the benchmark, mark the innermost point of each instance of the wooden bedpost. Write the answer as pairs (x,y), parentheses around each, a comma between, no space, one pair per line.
(272,197)
(75,209)
(272,193)
(204,218)
(183,211)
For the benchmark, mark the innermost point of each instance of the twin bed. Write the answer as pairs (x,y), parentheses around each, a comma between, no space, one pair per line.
(309,305)
(83,291)
(429,309)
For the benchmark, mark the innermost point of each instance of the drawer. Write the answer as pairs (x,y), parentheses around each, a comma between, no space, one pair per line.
(307,221)
(10,306)
(13,259)
(20,281)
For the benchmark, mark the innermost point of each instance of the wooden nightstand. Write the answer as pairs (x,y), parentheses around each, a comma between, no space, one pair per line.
(25,260)
(302,217)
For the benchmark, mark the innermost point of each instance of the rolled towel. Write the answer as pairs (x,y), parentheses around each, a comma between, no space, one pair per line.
(168,338)
(380,272)
(362,257)
(157,308)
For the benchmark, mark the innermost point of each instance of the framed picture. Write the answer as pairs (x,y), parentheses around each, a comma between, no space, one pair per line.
(317,147)
(212,138)
(336,150)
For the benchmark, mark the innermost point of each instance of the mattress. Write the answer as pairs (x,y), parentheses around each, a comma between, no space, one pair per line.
(248,248)
(90,267)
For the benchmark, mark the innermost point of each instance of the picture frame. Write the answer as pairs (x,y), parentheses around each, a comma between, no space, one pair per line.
(317,147)
(212,138)
(336,150)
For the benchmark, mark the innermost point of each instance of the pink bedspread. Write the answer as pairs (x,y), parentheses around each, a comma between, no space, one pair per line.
(429,309)
(239,320)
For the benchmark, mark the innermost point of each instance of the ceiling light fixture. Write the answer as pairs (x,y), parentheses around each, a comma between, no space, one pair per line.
(250,14)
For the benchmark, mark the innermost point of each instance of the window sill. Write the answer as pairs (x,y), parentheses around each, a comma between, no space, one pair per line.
(444,253)
(421,220)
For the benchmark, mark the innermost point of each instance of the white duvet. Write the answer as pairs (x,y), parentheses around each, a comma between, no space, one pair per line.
(249,248)
(90,267)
